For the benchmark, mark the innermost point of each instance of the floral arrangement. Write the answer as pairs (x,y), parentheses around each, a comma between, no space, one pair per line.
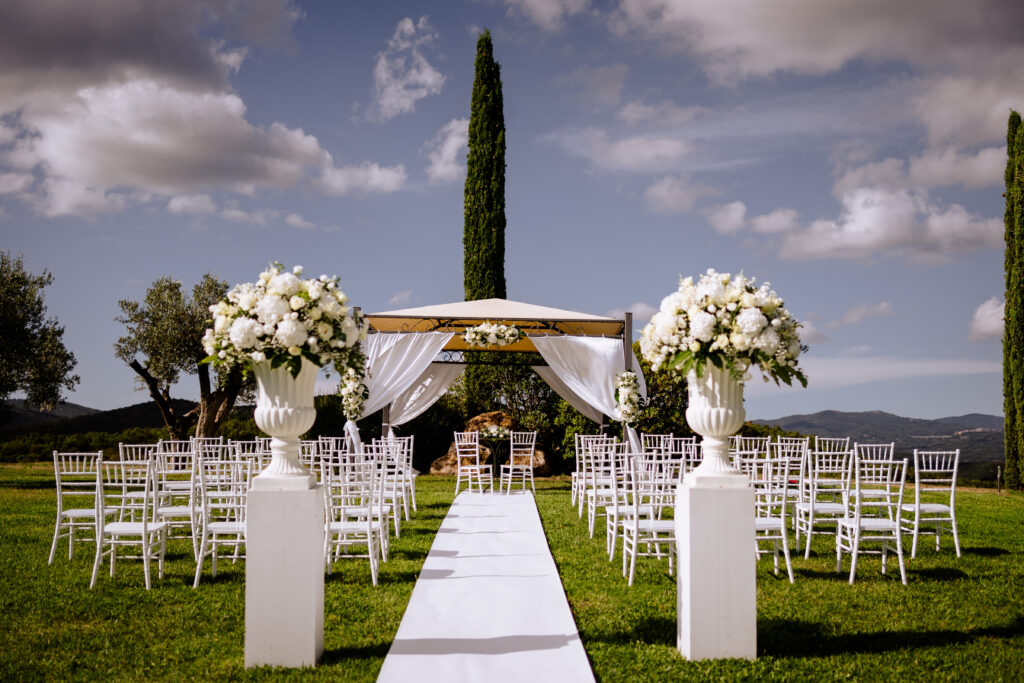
(728,322)
(628,396)
(353,393)
(494,432)
(282,319)
(491,334)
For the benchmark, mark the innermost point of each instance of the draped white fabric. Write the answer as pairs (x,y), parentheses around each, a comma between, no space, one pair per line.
(424,392)
(589,367)
(393,363)
(551,377)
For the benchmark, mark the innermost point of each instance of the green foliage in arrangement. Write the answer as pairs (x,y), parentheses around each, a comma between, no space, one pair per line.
(958,619)
(33,358)
(483,237)
(1013,317)
(164,341)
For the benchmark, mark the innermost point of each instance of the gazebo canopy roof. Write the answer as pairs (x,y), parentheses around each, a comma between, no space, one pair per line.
(531,319)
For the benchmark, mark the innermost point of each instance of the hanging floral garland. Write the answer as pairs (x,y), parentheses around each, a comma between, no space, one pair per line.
(628,396)
(490,334)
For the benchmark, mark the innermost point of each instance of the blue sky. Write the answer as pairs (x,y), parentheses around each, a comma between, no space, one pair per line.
(851,153)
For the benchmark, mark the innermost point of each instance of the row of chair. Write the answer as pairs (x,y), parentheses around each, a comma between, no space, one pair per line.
(151,491)
(470,466)
(855,494)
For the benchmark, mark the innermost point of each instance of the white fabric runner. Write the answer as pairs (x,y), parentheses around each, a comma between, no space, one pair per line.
(488,604)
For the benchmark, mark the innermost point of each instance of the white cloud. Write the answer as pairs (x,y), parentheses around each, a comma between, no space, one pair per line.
(11,183)
(778,221)
(641,313)
(191,204)
(640,153)
(879,222)
(254,217)
(849,371)
(675,194)
(810,334)
(297,221)
(729,218)
(932,168)
(599,85)
(547,14)
(855,314)
(402,75)
(666,114)
(399,298)
(365,178)
(987,322)
(446,151)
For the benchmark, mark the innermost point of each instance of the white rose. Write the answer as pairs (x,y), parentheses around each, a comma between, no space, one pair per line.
(220,323)
(271,309)
(297,270)
(257,356)
(296,303)
(244,333)
(695,346)
(740,341)
(294,350)
(290,333)
(768,341)
(702,326)
(351,332)
(324,330)
(285,284)
(751,321)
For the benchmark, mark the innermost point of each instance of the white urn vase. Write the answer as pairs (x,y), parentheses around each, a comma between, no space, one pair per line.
(284,410)
(715,411)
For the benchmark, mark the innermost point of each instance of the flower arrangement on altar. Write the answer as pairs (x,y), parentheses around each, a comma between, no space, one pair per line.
(282,319)
(628,397)
(491,334)
(728,322)
(494,433)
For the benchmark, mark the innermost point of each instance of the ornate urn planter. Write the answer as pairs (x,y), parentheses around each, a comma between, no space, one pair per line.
(715,411)
(284,410)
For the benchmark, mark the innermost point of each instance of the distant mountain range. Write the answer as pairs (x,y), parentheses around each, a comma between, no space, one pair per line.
(979,437)
(70,418)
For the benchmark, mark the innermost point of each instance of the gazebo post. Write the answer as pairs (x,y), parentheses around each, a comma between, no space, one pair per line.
(627,341)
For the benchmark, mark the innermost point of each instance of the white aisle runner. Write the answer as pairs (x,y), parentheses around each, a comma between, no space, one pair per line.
(488,604)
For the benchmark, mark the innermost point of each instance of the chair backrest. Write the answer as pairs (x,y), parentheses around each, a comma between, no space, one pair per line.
(770,478)
(877,488)
(207,440)
(874,451)
(936,471)
(751,444)
(829,476)
(223,486)
(661,443)
(467,446)
(126,489)
(136,451)
(208,450)
(831,444)
(687,449)
(174,446)
(353,488)
(521,447)
(76,479)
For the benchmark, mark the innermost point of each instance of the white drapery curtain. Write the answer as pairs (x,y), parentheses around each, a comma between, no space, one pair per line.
(588,367)
(393,364)
(551,377)
(424,392)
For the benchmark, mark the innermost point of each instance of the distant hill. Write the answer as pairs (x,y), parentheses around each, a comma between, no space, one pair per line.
(979,437)
(90,420)
(16,412)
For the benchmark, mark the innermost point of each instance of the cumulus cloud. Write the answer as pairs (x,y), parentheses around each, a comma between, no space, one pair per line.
(641,311)
(547,14)
(191,204)
(876,222)
(446,151)
(728,218)
(297,221)
(365,178)
(987,321)
(638,153)
(599,85)
(125,103)
(399,298)
(855,314)
(810,334)
(11,183)
(667,113)
(932,168)
(402,75)
(676,194)
(778,221)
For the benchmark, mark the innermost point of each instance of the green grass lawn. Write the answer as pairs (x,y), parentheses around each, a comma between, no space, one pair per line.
(958,619)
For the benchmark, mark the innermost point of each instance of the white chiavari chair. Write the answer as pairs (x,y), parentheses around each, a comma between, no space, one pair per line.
(873,513)
(222,489)
(934,508)
(76,498)
(520,461)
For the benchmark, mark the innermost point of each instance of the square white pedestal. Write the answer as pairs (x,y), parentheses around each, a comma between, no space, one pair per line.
(717,582)
(284,578)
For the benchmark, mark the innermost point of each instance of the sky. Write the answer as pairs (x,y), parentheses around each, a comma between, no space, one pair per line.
(851,153)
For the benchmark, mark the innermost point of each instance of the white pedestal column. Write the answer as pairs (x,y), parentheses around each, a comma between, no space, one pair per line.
(284,578)
(717,585)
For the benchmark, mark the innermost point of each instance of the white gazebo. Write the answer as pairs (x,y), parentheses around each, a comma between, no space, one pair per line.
(414,355)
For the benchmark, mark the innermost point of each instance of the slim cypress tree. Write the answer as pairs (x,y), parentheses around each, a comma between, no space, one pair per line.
(1013,318)
(483,238)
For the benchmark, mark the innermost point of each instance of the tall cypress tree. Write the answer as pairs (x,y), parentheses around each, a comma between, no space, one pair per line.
(483,237)
(1013,318)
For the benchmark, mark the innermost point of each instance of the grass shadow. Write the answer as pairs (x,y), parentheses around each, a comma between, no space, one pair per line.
(985,551)
(340,654)
(650,631)
(788,638)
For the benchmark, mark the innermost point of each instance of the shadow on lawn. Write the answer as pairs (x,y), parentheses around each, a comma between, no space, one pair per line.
(340,654)
(788,638)
(651,631)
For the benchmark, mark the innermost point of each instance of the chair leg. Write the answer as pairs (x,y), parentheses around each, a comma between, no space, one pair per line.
(53,546)
(96,562)
(956,536)
(855,546)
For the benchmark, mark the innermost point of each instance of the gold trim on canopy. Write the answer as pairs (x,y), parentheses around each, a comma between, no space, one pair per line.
(530,319)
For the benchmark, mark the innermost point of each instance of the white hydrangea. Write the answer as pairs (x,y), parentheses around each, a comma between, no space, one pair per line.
(290,332)
(751,321)
(245,332)
(702,326)
(271,309)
